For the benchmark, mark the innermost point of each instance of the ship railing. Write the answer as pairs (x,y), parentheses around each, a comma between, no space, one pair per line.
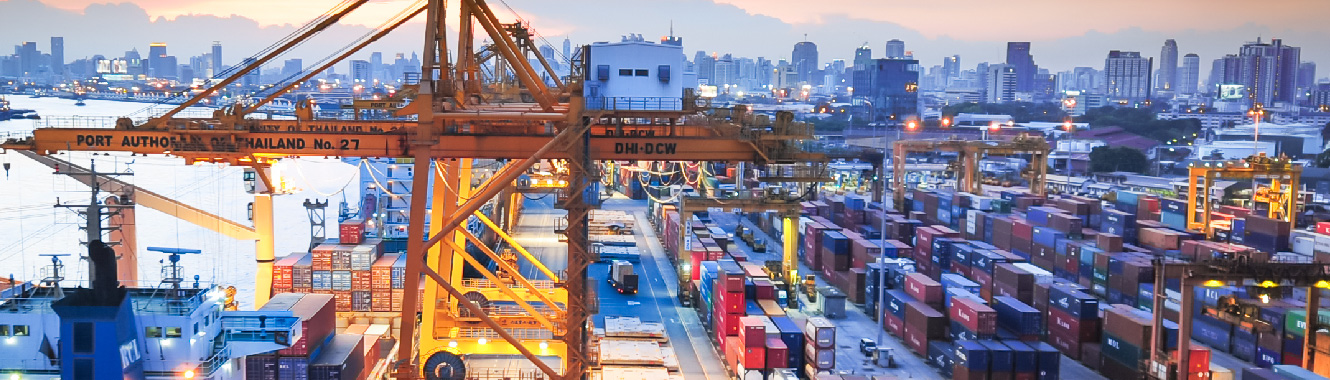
(504,374)
(219,358)
(518,333)
(40,366)
(626,103)
(487,284)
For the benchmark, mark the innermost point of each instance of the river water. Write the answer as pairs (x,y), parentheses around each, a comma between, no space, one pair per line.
(31,226)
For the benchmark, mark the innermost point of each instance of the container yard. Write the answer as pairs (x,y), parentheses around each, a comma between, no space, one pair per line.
(517,215)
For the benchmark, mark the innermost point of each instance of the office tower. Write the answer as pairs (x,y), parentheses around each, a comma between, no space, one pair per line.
(1018,56)
(156,65)
(1306,77)
(216,69)
(895,49)
(1189,75)
(863,56)
(292,66)
(185,73)
(1168,67)
(250,79)
(891,85)
(1268,71)
(376,67)
(951,66)
(360,71)
(27,57)
(1000,85)
(58,56)
(706,68)
(804,60)
(1127,74)
(567,48)
(134,62)
(724,72)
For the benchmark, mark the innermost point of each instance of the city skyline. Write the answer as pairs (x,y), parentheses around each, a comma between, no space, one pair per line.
(1055,55)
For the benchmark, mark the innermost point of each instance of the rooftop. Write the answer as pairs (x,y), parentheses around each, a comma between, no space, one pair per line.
(1116,136)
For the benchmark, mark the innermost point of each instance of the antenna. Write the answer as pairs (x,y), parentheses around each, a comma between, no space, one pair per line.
(671,28)
(53,274)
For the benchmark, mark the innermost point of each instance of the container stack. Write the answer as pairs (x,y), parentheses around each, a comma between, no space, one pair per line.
(346,271)
(820,346)
(319,353)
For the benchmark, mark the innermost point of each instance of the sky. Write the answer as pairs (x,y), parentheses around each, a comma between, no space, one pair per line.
(1064,34)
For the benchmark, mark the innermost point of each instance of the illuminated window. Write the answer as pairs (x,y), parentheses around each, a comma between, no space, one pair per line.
(20,330)
(4,330)
(152,332)
(172,332)
(625,72)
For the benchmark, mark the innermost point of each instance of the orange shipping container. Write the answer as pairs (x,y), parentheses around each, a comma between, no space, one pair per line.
(361,280)
(382,272)
(343,300)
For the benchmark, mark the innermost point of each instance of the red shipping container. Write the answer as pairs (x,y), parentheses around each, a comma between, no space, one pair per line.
(974,315)
(778,355)
(960,372)
(765,290)
(894,325)
(916,339)
(730,283)
(1024,376)
(362,280)
(1323,228)
(754,357)
(727,324)
(1022,228)
(985,282)
(1200,359)
(351,231)
(959,268)
(753,331)
(1080,330)
(1067,344)
(924,289)
(732,302)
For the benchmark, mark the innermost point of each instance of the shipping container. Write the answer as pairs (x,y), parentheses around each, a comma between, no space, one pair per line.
(820,332)
(343,359)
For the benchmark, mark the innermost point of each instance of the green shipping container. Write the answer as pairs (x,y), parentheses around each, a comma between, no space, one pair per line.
(1295,322)
(1121,351)
(1100,276)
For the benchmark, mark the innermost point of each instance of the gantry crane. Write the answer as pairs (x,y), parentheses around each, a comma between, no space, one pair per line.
(1281,195)
(971,152)
(453,126)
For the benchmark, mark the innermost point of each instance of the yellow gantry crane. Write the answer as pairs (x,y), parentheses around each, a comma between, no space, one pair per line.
(1281,195)
(455,124)
(972,151)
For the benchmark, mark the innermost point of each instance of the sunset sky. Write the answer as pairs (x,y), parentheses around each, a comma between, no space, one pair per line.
(1064,33)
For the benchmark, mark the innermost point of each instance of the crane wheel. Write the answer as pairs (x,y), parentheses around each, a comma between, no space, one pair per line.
(444,365)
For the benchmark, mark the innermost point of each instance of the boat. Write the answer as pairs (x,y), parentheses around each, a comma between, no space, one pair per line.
(7,113)
(80,103)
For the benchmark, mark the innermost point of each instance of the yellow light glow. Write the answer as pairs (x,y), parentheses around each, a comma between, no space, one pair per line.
(1265,298)
(1268,284)
(483,341)
(1323,284)
(1214,283)
(189,374)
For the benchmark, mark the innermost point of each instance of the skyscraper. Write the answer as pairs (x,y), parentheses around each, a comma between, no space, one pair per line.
(251,79)
(1001,83)
(27,57)
(706,68)
(895,49)
(1168,66)
(1189,75)
(951,66)
(804,60)
(1018,56)
(1306,77)
(376,66)
(863,56)
(360,71)
(1269,71)
(216,69)
(292,66)
(1127,74)
(892,85)
(567,48)
(58,56)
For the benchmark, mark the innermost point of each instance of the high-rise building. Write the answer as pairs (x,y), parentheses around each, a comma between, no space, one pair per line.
(804,60)
(58,56)
(892,85)
(1000,86)
(28,56)
(1127,77)
(1018,56)
(216,70)
(251,79)
(134,62)
(156,66)
(895,49)
(951,66)
(1268,71)
(1168,67)
(1189,75)
(726,72)
(1306,77)
(376,66)
(292,66)
(706,68)
(863,56)
(360,71)
(567,49)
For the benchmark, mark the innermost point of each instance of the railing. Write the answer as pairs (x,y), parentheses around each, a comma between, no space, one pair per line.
(481,283)
(625,103)
(518,333)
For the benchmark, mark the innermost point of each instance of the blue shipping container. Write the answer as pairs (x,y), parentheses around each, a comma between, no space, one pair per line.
(951,280)
(942,355)
(1023,357)
(973,355)
(1016,316)
(1076,303)
(1212,332)
(1244,345)
(1000,356)
(896,300)
(1050,362)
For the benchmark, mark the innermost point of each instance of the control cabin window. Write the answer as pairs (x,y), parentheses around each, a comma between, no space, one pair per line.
(625,72)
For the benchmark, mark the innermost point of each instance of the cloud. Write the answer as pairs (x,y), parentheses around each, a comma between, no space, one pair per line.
(1062,36)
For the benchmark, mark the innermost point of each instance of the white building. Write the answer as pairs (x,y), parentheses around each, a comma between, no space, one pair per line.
(634,74)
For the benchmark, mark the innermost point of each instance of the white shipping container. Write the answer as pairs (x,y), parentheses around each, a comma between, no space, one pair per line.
(1304,245)
(1322,244)
(1041,276)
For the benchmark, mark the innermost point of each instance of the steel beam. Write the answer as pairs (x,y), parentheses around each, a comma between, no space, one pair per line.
(518,247)
(461,252)
(517,275)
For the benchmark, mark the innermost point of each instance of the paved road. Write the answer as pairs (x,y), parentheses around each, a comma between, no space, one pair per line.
(655,300)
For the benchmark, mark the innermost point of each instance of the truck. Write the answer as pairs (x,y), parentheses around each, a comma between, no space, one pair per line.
(622,277)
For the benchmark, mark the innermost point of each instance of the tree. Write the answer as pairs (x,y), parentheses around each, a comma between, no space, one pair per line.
(1141,121)
(1106,159)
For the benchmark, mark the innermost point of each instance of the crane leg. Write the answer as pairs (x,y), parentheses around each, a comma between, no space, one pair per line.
(264,250)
